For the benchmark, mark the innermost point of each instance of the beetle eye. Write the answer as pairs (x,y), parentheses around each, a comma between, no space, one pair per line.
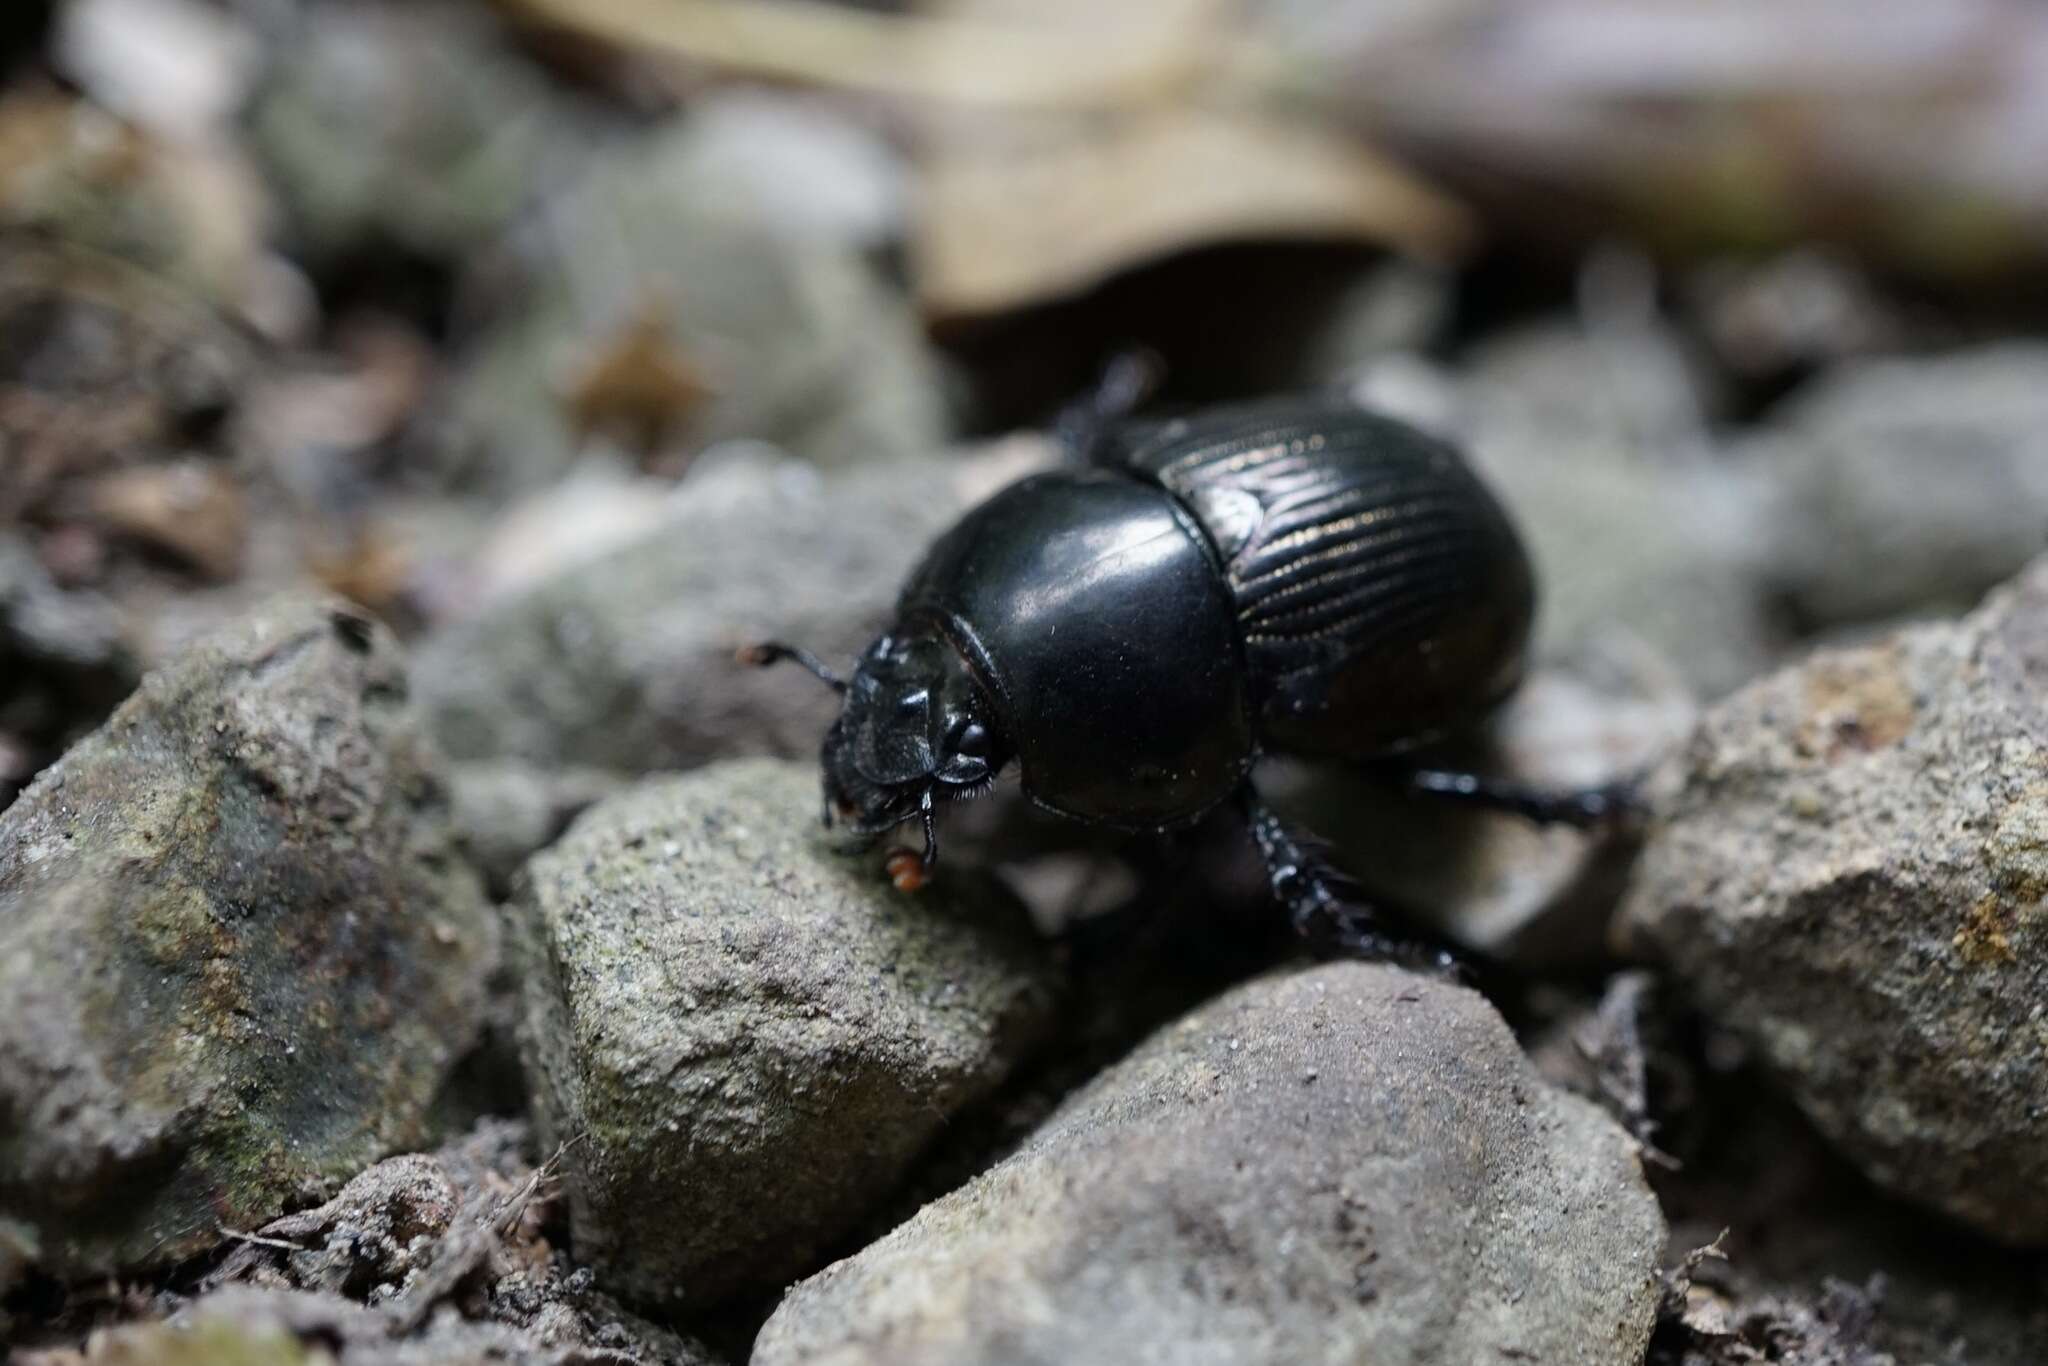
(971,741)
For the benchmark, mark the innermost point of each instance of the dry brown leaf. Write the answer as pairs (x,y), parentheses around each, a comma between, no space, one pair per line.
(384,372)
(1913,133)
(640,388)
(193,212)
(46,439)
(191,509)
(1036,210)
(101,365)
(947,58)
(1101,137)
(370,567)
(48,140)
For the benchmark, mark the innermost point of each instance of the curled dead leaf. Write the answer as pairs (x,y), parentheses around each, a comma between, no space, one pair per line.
(1035,210)
(370,567)
(191,509)
(639,388)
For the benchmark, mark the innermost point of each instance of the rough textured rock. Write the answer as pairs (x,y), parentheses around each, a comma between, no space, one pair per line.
(747,1035)
(1345,1164)
(626,662)
(239,952)
(1493,881)
(1910,485)
(1852,876)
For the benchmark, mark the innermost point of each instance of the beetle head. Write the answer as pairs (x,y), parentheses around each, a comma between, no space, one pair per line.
(915,729)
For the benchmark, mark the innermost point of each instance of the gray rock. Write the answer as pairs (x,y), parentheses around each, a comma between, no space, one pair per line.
(64,664)
(1346,1164)
(44,626)
(1851,877)
(1910,485)
(812,171)
(1393,310)
(1777,317)
(239,952)
(505,811)
(748,1036)
(796,336)
(626,661)
(1632,519)
(414,128)
(1493,881)
(18,1250)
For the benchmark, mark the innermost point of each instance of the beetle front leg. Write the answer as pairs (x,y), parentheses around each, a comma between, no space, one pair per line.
(1326,906)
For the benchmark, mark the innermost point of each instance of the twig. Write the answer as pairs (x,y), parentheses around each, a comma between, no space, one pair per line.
(465,1246)
(280,1244)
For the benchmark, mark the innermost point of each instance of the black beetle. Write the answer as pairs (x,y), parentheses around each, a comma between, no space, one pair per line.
(1295,575)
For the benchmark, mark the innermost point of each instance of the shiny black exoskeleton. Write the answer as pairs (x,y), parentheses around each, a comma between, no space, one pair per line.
(1293,576)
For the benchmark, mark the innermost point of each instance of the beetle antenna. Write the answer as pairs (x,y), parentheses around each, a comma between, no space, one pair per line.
(770,652)
(931,829)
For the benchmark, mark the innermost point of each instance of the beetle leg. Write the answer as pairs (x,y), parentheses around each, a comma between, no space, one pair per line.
(926,808)
(1585,808)
(1127,381)
(1327,908)
(769,652)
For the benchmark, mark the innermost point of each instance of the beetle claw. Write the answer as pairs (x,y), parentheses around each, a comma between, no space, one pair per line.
(931,830)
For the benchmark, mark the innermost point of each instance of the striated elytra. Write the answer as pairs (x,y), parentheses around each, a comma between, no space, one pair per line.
(1287,576)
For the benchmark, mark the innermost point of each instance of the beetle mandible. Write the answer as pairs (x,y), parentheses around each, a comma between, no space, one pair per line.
(1293,576)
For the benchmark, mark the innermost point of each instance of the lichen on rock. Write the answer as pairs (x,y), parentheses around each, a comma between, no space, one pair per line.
(239,952)
(1850,877)
(744,1038)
